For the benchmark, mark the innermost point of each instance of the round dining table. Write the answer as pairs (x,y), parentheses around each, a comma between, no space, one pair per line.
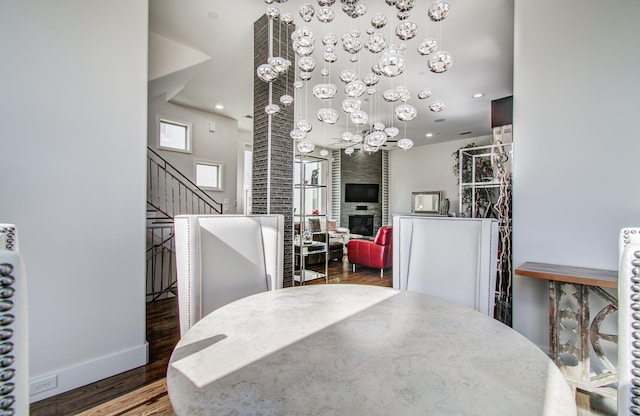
(360,350)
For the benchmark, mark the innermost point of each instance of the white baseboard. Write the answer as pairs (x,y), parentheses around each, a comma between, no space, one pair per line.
(88,372)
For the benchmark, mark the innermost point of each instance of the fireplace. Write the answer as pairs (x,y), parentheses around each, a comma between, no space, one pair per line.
(361,224)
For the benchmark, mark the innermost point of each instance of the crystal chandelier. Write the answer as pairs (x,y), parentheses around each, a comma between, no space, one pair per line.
(376,49)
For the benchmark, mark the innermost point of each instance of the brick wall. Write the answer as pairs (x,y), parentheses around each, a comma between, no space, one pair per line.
(279,159)
(361,167)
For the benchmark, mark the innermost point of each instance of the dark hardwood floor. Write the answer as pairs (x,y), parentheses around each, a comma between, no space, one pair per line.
(142,391)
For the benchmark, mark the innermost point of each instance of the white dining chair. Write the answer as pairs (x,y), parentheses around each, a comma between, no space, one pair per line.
(222,258)
(14,328)
(629,322)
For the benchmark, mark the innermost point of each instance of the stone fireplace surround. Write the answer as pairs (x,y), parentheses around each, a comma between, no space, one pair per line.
(361,167)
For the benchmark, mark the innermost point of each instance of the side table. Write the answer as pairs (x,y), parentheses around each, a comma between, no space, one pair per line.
(571,331)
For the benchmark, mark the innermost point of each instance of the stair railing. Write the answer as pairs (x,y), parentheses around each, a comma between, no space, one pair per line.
(169,193)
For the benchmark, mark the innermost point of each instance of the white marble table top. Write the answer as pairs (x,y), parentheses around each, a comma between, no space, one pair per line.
(359,350)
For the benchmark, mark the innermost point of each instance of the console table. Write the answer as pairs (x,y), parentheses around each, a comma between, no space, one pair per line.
(571,330)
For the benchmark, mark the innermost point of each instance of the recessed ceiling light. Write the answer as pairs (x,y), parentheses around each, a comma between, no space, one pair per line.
(213,15)
(478,95)
(429,134)
(219,106)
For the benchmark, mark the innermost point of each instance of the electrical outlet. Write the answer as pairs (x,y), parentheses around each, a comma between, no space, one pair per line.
(43,384)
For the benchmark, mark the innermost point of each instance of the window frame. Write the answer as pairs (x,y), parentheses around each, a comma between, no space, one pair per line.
(220,181)
(176,122)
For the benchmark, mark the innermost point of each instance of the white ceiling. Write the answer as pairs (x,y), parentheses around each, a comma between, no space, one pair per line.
(479,35)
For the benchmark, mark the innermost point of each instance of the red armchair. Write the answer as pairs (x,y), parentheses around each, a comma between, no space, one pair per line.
(374,253)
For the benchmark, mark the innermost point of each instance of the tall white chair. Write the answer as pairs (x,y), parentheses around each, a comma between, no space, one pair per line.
(14,329)
(629,322)
(451,258)
(222,258)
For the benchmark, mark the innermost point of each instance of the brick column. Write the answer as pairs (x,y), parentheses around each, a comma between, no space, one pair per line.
(272,191)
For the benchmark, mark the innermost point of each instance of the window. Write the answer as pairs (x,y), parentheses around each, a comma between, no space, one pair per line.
(174,135)
(209,176)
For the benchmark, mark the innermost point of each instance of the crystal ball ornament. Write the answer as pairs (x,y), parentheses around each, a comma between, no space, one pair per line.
(306,11)
(438,11)
(379,21)
(378,126)
(326,2)
(348,151)
(427,46)
(305,76)
(303,36)
(355,88)
(349,105)
(359,117)
(272,12)
(297,134)
(391,131)
(324,153)
(266,73)
(286,18)
(376,43)
(376,138)
(391,96)
(405,5)
(370,79)
(405,143)
(307,64)
(347,136)
(329,39)
(425,93)
(286,99)
(328,115)
(279,64)
(330,57)
(348,75)
(440,62)
(437,106)
(325,91)
(357,138)
(305,146)
(369,148)
(406,30)
(351,44)
(392,62)
(272,109)
(406,112)
(325,14)
(304,125)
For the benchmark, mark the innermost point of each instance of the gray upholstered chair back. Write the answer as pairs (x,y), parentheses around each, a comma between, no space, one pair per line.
(14,329)
(629,322)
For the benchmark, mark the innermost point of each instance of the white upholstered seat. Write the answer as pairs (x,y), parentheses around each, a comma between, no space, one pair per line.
(451,258)
(222,258)
(629,322)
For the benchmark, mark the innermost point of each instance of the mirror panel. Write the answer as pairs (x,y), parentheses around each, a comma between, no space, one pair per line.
(425,202)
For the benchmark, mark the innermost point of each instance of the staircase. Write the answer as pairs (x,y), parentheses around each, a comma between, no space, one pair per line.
(169,193)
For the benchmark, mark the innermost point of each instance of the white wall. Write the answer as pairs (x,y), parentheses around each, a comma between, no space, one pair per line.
(576,106)
(73,112)
(425,168)
(220,146)
(245,138)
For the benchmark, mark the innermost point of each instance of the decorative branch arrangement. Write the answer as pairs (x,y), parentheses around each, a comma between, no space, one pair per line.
(485,168)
